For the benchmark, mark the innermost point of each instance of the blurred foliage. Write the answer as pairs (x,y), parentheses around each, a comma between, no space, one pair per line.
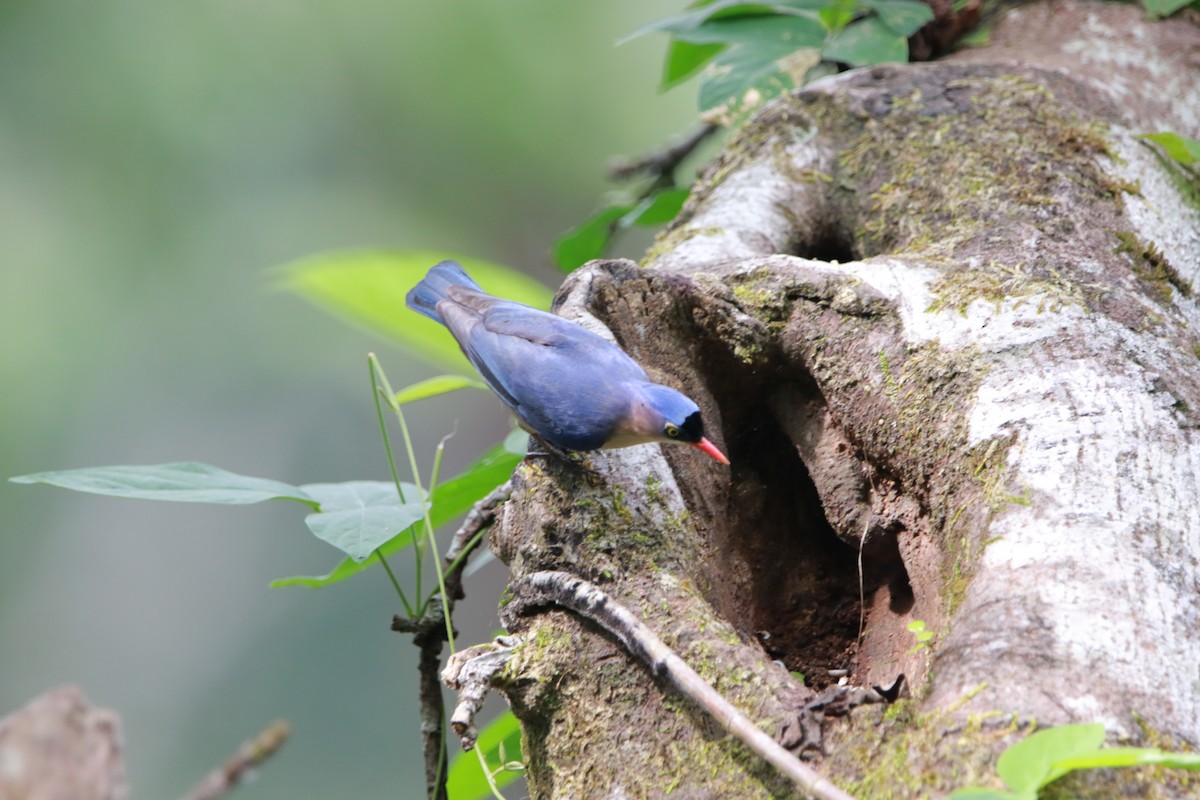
(447,502)
(157,157)
(1180,156)
(500,743)
(746,54)
(1043,757)
(1165,8)
(1182,149)
(368,289)
(591,238)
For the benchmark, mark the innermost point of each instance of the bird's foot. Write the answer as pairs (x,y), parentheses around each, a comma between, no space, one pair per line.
(546,450)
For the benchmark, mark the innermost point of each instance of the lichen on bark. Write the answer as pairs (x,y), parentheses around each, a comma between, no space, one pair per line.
(860,294)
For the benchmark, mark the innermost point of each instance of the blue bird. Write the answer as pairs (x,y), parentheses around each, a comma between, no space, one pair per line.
(574,389)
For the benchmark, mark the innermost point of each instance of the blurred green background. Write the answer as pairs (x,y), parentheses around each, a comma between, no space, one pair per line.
(157,159)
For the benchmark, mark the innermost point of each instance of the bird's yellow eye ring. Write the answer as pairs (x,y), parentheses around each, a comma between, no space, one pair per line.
(671,430)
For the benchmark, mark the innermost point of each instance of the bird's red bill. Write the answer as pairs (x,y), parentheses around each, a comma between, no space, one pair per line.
(708,447)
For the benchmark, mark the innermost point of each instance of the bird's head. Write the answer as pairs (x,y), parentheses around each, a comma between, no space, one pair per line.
(660,414)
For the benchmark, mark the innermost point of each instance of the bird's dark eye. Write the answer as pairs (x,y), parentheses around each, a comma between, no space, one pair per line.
(671,430)
(692,429)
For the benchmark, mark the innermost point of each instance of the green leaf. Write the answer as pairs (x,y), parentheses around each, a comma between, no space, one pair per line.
(184,482)
(867,41)
(839,14)
(1189,761)
(983,793)
(795,6)
(1124,757)
(902,17)
(685,59)
(1181,148)
(449,500)
(457,495)
(433,387)
(741,79)
(368,289)
(659,208)
(1026,765)
(701,13)
(759,64)
(358,516)
(762,31)
(465,780)
(589,239)
(693,18)
(1164,8)
(979,37)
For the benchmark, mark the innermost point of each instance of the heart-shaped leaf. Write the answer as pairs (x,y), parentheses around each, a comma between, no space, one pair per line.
(358,516)
(449,500)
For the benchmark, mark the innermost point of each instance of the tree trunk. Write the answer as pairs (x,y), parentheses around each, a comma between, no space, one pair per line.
(941,318)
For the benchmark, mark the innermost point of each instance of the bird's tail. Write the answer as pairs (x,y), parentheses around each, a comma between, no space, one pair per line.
(423,298)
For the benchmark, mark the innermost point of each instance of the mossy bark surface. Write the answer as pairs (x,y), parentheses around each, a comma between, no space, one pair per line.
(941,320)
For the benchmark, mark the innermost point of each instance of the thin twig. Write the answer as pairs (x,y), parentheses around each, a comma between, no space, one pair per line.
(430,632)
(226,777)
(588,600)
(433,709)
(466,539)
(661,164)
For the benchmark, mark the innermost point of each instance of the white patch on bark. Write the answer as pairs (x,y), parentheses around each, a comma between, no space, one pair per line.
(1155,211)
(1103,559)
(754,214)
(1104,550)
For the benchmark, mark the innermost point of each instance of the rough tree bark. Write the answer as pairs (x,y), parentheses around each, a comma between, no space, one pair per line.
(941,317)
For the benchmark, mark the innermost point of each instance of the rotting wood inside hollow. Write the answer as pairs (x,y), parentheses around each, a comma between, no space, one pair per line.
(788,578)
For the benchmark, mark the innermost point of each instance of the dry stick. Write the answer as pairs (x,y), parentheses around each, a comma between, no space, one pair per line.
(433,708)
(661,164)
(569,591)
(481,515)
(469,673)
(226,777)
(429,633)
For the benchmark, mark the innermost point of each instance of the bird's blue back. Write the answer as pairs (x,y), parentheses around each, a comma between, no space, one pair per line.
(564,382)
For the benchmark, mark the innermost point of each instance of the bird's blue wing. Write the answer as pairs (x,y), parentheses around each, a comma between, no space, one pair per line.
(560,379)
(563,381)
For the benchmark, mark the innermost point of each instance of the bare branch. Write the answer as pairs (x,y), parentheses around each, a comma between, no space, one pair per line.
(661,164)
(465,541)
(586,599)
(251,754)
(469,672)
(429,634)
